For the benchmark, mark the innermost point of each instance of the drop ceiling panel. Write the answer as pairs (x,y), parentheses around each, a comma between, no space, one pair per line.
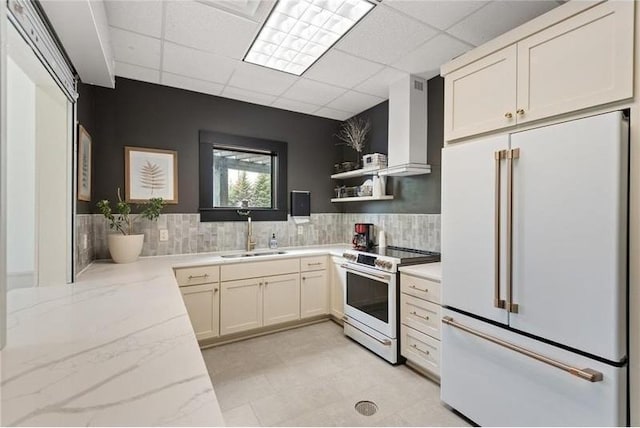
(430,56)
(306,90)
(439,14)
(204,27)
(248,96)
(143,17)
(294,105)
(342,70)
(137,73)
(261,79)
(385,36)
(333,114)
(499,17)
(378,84)
(190,84)
(136,49)
(200,65)
(354,102)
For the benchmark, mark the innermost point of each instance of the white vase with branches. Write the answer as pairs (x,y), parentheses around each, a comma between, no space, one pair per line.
(353,132)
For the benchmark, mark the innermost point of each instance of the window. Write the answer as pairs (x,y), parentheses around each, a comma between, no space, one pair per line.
(238,172)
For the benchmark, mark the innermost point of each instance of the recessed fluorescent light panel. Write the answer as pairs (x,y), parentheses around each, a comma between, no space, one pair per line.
(298,32)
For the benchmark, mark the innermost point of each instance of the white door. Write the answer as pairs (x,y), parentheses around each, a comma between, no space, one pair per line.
(569,217)
(281,298)
(469,228)
(338,287)
(240,305)
(314,294)
(202,302)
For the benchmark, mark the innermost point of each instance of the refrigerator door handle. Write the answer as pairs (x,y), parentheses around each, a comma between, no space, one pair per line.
(586,374)
(497,301)
(511,155)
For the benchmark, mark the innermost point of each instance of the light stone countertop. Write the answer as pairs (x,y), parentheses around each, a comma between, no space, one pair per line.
(431,271)
(115,348)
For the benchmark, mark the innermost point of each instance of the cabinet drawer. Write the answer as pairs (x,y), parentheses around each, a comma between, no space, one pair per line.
(420,287)
(258,269)
(420,349)
(313,263)
(421,315)
(197,275)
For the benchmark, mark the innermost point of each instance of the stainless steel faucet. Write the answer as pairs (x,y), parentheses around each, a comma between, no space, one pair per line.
(251,244)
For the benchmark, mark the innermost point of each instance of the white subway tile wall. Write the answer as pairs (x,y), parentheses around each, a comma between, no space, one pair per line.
(187,235)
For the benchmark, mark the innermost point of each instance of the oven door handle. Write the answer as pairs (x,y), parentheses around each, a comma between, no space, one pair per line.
(385,342)
(367,274)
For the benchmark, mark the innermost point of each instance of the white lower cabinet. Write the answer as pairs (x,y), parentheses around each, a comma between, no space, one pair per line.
(241,305)
(338,287)
(314,294)
(203,305)
(281,299)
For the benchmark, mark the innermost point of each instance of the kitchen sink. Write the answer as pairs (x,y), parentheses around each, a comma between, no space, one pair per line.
(262,253)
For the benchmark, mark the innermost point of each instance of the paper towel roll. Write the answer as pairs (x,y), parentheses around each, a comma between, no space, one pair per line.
(382,239)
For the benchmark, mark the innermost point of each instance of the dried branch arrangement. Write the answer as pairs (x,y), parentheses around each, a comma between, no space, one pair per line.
(354,133)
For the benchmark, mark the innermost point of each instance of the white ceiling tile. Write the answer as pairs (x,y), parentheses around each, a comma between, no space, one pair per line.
(137,73)
(196,85)
(135,49)
(200,65)
(379,83)
(248,96)
(294,105)
(432,55)
(312,91)
(499,17)
(204,27)
(341,69)
(333,114)
(140,16)
(438,13)
(385,35)
(355,102)
(261,79)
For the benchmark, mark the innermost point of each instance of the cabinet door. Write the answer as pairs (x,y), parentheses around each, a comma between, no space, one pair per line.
(581,62)
(202,302)
(471,262)
(338,287)
(240,305)
(281,298)
(314,294)
(481,96)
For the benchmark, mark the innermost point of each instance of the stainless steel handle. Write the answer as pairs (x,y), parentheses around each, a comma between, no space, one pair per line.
(497,301)
(385,342)
(511,155)
(586,374)
(426,290)
(414,346)
(206,275)
(384,277)
(426,317)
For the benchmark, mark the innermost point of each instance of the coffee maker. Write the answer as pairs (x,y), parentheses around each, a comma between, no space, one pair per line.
(363,237)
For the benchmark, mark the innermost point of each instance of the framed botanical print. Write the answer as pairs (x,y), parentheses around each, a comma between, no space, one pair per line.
(151,173)
(84,164)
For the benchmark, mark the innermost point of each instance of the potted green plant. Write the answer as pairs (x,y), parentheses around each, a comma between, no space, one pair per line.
(125,247)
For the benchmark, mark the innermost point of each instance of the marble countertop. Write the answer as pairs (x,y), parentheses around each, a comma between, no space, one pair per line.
(431,271)
(115,348)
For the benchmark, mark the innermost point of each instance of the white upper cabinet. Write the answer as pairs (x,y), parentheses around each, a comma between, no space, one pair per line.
(583,61)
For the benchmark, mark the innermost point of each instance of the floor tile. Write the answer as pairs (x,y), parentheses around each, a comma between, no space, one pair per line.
(241,416)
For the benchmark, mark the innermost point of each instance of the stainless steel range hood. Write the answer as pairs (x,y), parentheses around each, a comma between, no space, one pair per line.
(407,151)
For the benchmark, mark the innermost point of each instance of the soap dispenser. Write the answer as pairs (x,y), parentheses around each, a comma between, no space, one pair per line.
(273,242)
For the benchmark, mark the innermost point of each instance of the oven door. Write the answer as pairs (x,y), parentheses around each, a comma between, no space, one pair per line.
(370,298)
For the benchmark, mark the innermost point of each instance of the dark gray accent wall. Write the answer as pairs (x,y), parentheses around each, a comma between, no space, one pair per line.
(148,115)
(416,194)
(86,118)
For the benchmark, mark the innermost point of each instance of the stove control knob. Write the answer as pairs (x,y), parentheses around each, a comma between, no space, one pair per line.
(388,265)
(378,263)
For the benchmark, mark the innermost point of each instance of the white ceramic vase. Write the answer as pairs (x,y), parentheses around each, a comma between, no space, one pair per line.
(125,248)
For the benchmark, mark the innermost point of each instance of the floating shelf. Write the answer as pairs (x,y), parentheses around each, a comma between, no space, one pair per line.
(356,173)
(363,198)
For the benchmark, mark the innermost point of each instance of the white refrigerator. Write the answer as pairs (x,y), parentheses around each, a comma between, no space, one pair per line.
(534,275)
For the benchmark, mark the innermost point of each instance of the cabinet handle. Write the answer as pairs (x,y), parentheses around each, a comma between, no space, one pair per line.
(215,290)
(414,346)
(508,115)
(426,290)
(304,278)
(206,275)
(266,283)
(426,317)
(520,112)
(314,264)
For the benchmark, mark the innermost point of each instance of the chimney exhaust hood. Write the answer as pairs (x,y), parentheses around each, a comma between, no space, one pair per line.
(407,151)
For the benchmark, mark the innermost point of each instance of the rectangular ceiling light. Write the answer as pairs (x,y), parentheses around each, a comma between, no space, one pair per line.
(298,32)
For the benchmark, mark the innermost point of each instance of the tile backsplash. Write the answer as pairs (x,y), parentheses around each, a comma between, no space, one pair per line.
(187,235)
